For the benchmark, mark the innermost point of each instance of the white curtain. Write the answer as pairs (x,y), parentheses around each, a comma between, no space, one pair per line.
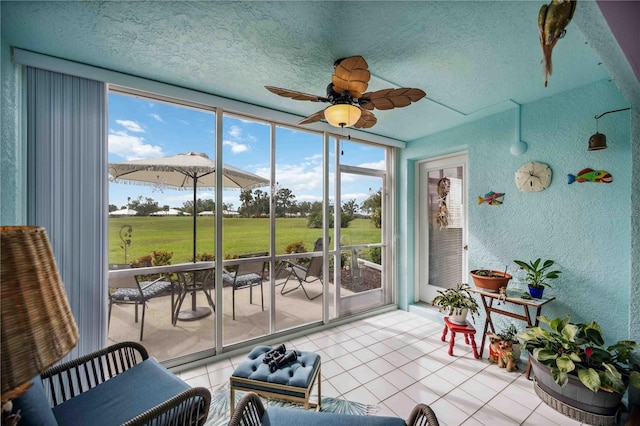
(67,191)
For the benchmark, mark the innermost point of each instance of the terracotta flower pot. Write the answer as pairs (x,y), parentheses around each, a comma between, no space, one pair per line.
(490,283)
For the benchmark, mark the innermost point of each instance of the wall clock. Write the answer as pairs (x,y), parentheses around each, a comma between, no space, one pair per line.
(533,177)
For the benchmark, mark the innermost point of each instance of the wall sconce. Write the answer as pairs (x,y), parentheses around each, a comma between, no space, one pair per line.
(342,115)
(599,140)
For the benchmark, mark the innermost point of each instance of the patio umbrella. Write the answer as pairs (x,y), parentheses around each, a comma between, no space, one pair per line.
(188,170)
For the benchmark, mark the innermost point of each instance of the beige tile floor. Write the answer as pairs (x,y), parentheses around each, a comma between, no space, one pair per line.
(395,360)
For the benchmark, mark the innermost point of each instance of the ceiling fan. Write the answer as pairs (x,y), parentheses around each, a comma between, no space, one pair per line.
(350,104)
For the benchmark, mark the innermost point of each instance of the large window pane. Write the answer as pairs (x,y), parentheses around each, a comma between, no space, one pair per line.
(246,232)
(298,204)
(152,224)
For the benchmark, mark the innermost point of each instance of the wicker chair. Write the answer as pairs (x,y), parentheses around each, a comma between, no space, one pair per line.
(250,410)
(119,377)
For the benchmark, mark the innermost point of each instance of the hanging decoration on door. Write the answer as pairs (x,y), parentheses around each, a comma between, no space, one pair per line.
(443,191)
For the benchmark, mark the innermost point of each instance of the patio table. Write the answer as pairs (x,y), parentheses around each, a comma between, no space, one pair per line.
(181,268)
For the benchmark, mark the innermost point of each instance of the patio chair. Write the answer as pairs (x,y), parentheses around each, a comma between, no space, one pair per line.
(132,291)
(304,274)
(247,274)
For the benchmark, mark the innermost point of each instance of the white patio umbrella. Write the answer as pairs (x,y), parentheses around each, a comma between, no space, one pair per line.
(189,170)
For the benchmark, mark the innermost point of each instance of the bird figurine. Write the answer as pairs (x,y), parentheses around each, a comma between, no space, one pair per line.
(552,21)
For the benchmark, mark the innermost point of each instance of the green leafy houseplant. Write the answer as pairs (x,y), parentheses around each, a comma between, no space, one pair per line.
(454,300)
(509,334)
(537,274)
(579,349)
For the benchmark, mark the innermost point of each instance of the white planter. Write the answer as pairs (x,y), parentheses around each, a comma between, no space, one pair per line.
(516,351)
(458,316)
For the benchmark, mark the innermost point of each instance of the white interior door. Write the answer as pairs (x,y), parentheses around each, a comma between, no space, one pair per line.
(441,222)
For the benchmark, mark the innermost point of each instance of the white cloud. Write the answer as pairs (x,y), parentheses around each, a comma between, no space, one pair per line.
(378,165)
(131,147)
(235,132)
(131,126)
(156,117)
(236,147)
(299,178)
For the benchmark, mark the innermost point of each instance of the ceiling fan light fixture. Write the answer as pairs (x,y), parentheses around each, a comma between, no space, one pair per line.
(342,115)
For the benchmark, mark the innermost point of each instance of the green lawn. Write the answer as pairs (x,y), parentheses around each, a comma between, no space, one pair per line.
(240,235)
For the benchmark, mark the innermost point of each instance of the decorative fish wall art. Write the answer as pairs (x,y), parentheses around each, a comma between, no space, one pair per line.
(492,198)
(590,175)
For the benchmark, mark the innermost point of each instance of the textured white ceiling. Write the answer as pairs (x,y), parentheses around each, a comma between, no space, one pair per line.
(472,58)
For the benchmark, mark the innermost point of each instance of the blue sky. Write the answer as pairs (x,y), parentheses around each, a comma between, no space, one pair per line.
(141,128)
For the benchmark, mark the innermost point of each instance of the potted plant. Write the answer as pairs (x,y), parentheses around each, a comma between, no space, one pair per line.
(571,363)
(511,334)
(538,275)
(490,280)
(457,303)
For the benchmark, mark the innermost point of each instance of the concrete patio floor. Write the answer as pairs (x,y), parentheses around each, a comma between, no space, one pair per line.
(164,341)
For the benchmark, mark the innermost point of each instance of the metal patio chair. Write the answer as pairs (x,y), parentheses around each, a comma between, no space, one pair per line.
(132,291)
(247,274)
(310,273)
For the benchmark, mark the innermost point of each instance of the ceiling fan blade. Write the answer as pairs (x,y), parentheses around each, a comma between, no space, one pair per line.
(298,96)
(313,118)
(351,74)
(367,119)
(391,98)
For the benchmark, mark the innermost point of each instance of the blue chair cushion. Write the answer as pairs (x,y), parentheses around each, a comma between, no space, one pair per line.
(148,291)
(241,280)
(294,416)
(122,397)
(34,406)
(299,373)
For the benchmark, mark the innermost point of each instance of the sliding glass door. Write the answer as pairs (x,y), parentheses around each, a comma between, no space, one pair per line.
(305,243)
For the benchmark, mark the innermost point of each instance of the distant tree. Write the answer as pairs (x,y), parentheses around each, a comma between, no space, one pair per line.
(260,203)
(112,208)
(144,206)
(373,206)
(166,207)
(316,206)
(285,200)
(350,207)
(207,205)
(201,205)
(304,208)
(246,198)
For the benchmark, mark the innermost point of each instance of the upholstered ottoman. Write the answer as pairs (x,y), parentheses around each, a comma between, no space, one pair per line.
(291,382)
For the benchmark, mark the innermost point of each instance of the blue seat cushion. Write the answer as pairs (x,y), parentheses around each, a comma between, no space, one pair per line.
(274,416)
(122,397)
(299,373)
(148,291)
(34,406)
(241,280)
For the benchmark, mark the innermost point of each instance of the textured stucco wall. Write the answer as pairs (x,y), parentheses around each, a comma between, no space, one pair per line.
(634,290)
(584,227)
(12,180)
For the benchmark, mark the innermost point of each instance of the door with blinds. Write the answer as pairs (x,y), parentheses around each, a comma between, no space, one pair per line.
(441,222)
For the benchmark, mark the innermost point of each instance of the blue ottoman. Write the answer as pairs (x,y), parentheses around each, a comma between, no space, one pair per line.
(292,382)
